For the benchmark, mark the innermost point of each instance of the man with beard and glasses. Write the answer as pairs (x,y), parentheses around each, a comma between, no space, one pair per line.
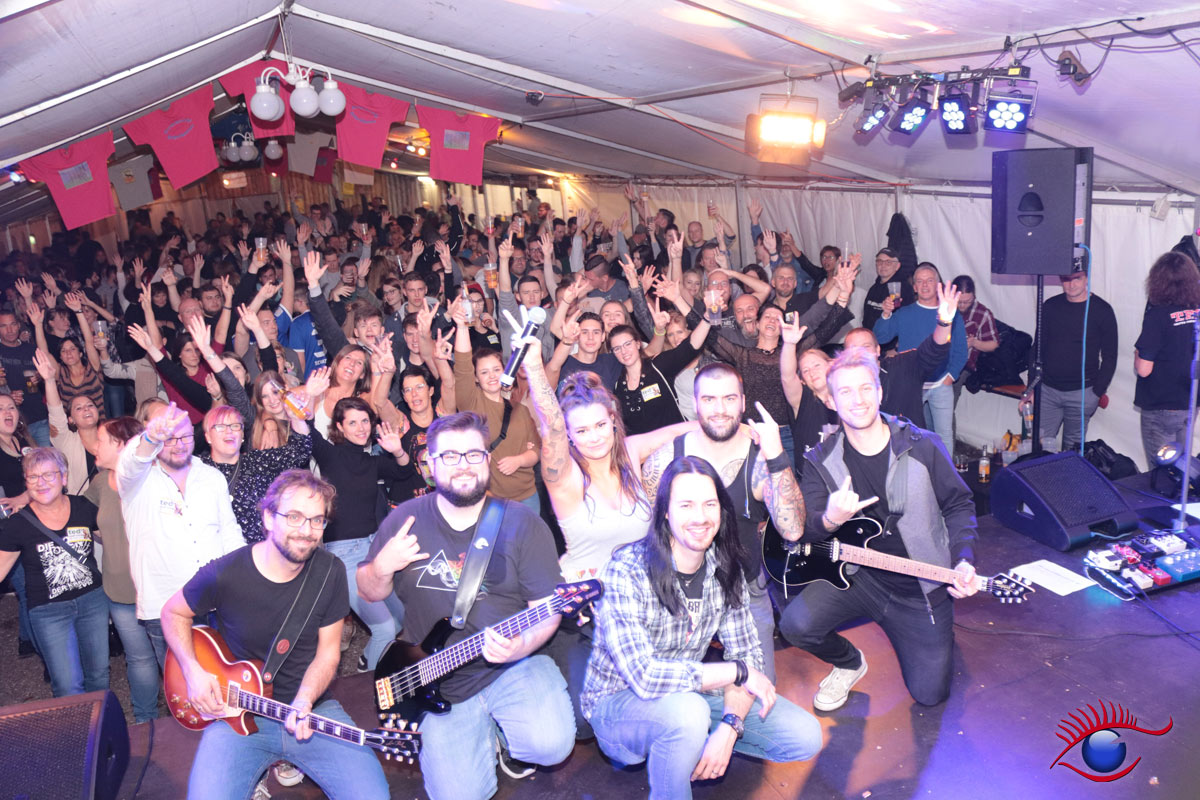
(250,592)
(758,477)
(418,554)
(178,514)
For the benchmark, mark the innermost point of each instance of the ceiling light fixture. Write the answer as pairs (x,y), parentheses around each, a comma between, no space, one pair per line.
(306,102)
(1007,111)
(240,147)
(958,113)
(785,129)
(911,117)
(273,150)
(420,151)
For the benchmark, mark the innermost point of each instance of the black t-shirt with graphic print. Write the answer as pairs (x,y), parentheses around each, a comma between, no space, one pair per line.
(524,567)
(52,574)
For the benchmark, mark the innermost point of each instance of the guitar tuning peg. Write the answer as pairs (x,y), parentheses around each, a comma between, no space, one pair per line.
(383,717)
(387,756)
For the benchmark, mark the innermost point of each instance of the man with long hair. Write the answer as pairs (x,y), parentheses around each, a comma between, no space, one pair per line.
(911,488)
(418,554)
(649,695)
(757,475)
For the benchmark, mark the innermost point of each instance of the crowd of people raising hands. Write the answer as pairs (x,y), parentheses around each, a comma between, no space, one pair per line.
(158,395)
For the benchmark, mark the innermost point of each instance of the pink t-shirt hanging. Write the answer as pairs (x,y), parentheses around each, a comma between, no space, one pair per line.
(242,82)
(456,143)
(326,159)
(180,136)
(362,129)
(77,177)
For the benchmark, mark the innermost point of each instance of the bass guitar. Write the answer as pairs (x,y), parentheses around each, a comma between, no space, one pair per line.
(407,676)
(794,564)
(245,695)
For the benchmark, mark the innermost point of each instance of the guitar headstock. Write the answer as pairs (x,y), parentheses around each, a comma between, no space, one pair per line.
(1009,588)
(574,596)
(402,742)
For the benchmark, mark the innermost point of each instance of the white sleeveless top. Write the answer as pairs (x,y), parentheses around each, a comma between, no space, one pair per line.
(594,531)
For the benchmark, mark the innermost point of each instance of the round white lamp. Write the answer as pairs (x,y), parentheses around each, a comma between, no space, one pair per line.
(305,102)
(273,150)
(331,100)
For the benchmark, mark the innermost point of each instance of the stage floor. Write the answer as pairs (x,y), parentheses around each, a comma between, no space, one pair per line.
(1018,671)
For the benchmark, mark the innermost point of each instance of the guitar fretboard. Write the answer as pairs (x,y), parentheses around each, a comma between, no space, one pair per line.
(406,682)
(236,697)
(905,566)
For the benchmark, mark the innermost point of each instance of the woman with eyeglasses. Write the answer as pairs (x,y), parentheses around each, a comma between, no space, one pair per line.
(645,388)
(346,462)
(250,474)
(68,609)
(73,432)
(141,666)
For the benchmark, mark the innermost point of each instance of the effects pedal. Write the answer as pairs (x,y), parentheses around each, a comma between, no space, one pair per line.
(1105,560)
(1126,552)
(1145,545)
(1183,566)
(1155,574)
(1170,544)
(1137,578)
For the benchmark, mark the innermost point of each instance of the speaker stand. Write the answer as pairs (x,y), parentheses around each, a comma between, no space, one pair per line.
(1035,371)
(1181,522)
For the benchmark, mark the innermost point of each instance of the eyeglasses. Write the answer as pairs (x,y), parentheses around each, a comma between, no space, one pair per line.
(45,477)
(174,440)
(619,348)
(451,457)
(718,284)
(296,520)
(411,389)
(221,427)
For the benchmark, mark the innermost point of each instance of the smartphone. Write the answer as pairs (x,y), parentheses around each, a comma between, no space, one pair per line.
(789,317)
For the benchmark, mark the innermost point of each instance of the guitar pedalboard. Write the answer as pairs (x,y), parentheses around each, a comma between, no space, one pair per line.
(1147,562)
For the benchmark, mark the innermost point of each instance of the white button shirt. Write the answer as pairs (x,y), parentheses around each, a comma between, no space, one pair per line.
(171,533)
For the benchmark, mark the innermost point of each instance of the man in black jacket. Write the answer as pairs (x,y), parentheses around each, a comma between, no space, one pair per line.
(927,514)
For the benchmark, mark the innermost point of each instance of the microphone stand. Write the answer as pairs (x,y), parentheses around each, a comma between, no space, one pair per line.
(1181,522)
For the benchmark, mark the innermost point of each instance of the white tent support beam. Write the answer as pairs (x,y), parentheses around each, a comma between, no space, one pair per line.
(126,73)
(446,101)
(505,68)
(1157,172)
(560,160)
(138,112)
(858,169)
(813,40)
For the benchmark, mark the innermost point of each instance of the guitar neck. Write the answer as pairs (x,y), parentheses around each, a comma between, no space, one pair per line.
(273,709)
(904,566)
(443,662)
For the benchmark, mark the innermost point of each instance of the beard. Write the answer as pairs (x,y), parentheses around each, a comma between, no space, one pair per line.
(175,459)
(716,433)
(284,546)
(466,497)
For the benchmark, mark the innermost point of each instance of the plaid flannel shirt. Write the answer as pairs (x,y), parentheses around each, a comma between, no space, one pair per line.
(639,646)
(980,323)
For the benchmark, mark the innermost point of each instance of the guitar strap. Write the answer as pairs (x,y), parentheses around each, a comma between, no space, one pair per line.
(508,412)
(32,519)
(479,555)
(311,586)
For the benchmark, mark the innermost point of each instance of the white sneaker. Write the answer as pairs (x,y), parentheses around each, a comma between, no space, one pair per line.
(835,688)
(287,774)
(261,792)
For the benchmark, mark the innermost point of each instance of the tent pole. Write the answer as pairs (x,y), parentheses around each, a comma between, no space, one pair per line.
(743,222)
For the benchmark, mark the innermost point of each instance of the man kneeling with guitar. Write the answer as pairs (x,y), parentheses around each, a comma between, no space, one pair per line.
(252,591)
(457,556)
(910,486)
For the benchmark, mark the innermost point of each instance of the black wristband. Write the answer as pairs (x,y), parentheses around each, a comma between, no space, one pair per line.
(779,463)
(743,673)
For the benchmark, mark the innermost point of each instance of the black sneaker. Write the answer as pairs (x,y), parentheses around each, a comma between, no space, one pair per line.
(25,648)
(513,768)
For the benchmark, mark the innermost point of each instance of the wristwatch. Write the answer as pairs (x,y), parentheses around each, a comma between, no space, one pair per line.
(942,324)
(735,722)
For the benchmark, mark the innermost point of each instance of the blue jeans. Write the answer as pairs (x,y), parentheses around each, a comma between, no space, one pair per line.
(228,766)
(530,705)
(72,636)
(533,503)
(939,413)
(1062,409)
(921,634)
(670,732)
(763,615)
(141,663)
(16,580)
(153,628)
(114,399)
(1160,427)
(40,432)
(378,617)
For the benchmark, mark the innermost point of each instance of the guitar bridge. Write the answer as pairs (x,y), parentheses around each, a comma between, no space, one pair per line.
(383,693)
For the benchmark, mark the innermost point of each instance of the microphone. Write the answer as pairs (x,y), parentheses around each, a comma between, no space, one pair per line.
(533,324)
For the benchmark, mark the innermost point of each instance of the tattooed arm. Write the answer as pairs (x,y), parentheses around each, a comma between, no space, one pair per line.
(563,479)
(781,493)
(652,469)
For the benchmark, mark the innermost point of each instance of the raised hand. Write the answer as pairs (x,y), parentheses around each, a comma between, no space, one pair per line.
(793,331)
(790,242)
(212,385)
(25,289)
(139,268)
(505,250)
(675,249)
(197,327)
(570,330)
(46,366)
(170,278)
(383,360)
(283,252)
(722,259)
(226,287)
(630,193)
(142,339)
(388,436)
(74,301)
(318,383)
(312,268)
(667,289)
(630,271)
(770,242)
(243,250)
(661,318)
(303,232)
(947,302)
(576,290)
(888,306)
(36,314)
(767,432)
(755,207)
(399,551)
(443,346)
(547,242)
(844,504)
(162,427)
(250,322)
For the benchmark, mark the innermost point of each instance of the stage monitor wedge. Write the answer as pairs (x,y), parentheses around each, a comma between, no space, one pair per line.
(1041,210)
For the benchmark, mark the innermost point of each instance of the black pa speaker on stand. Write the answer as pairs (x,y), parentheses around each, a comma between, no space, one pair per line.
(67,748)
(1059,499)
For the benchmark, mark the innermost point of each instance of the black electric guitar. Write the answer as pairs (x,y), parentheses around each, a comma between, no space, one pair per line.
(407,675)
(794,564)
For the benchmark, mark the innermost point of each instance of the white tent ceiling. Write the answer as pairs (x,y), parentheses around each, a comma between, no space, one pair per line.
(677,78)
